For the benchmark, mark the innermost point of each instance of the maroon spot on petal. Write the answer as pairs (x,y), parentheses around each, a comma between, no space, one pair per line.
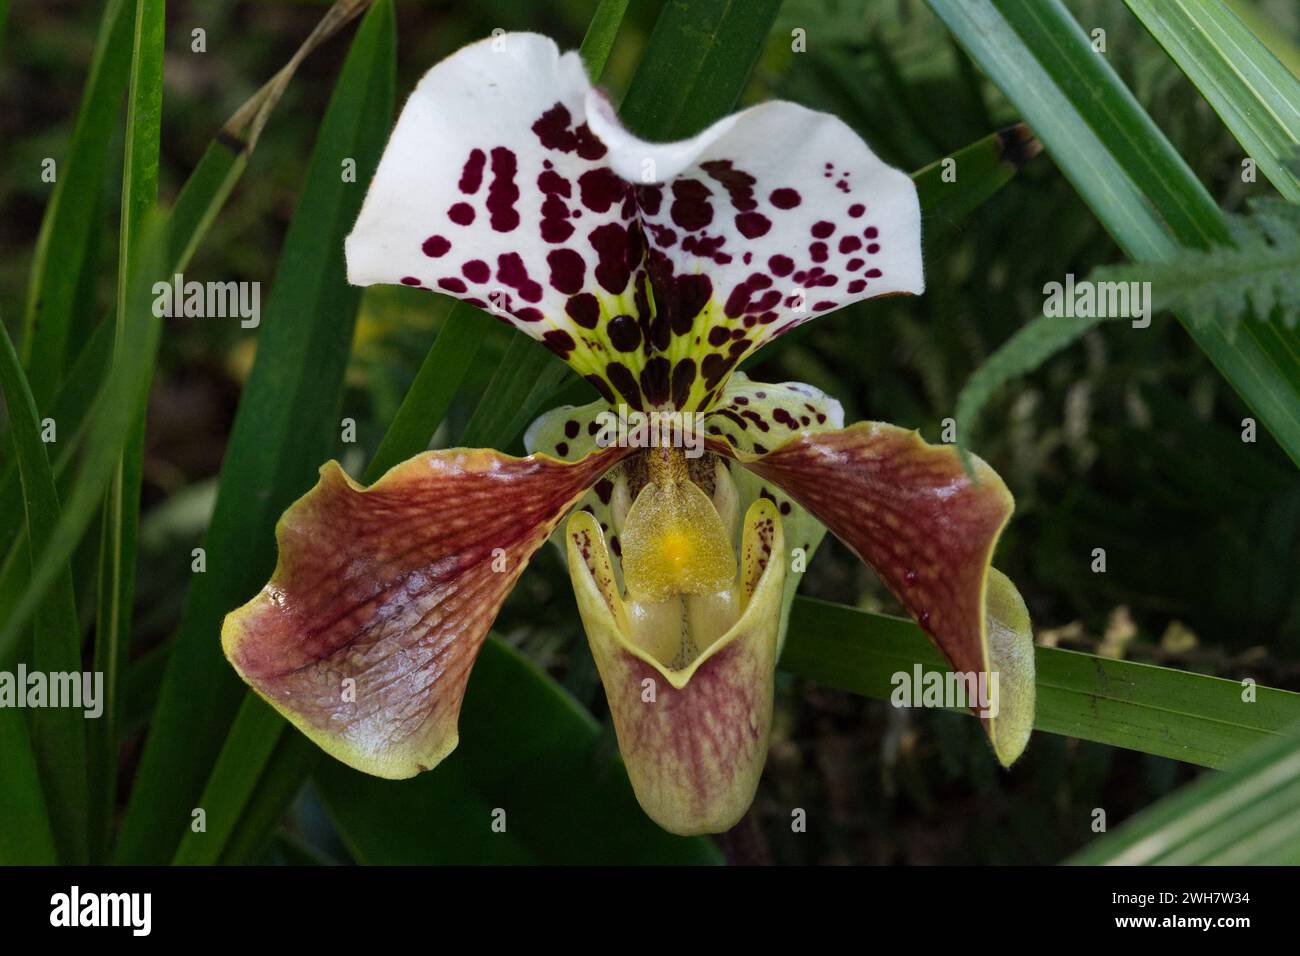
(871,232)
(873,248)
(451,284)
(650,198)
(621,378)
(781,265)
(857,285)
(783,417)
(462,214)
(715,367)
(571,429)
(568,270)
(685,297)
(613,250)
(599,189)
(471,174)
(823,305)
(854,264)
(856,210)
(654,380)
(588,146)
(784,198)
(602,386)
(718,334)
(872,273)
(583,309)
(476,270)
(624,333)
(556,230)
(561,343)
(683,378)
(436,246)
(552,183)
(822,229)
(849,244)
(502,192)
(528,314)
(552,129)
(511,271)
(738,183)
(562,448)
(410,280)
(753,224)
(604,488)
(691,209)
(818,252)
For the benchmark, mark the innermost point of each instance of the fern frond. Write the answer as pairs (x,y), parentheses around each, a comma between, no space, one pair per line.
(1258,277)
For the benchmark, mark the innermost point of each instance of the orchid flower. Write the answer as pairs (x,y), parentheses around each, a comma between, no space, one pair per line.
(653,270)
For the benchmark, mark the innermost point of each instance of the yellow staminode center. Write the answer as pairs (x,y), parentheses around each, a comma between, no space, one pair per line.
(674,542)
(676,548)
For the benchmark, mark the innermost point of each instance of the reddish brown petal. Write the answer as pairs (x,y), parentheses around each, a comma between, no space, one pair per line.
(909,510)
(365,635)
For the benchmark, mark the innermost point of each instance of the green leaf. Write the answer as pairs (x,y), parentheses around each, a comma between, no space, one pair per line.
(1256,96)
(58,746)
(1249,816)
(695,66)
(986,166)
(600,36)
(114,411)
(285,427)
(565,796)
(69,223)
(32,843)
(430,395)
(1127,172)
(121,519)
(1157,710)
(526,376)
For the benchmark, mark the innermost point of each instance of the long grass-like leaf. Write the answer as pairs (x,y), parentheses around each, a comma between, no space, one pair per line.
(58,737)
(26,838)
(1201,720)
(696,64)
(69,222)
(286,426)
(121,518)
(1255,95)
(1247,816)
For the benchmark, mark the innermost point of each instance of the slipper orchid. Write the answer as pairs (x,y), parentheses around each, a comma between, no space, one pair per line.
(653,270)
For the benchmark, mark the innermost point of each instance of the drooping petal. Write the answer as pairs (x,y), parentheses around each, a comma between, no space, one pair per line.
(694,738)
(754,417)
(494,190)
(909,510)
(766,219)
(365,635)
